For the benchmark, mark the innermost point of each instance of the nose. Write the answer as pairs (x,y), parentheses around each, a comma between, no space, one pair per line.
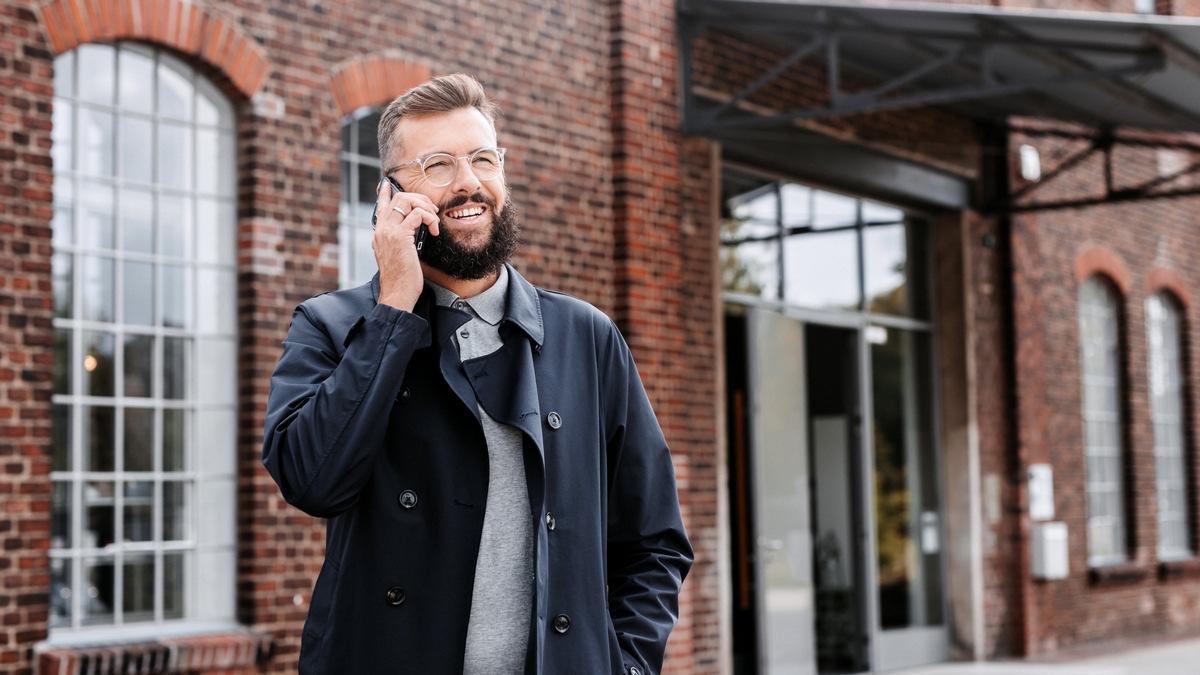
(466,181)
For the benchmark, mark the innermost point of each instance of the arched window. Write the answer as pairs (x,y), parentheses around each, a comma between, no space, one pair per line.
(145,378)
(360,175)
(1169,415)
(1100,361)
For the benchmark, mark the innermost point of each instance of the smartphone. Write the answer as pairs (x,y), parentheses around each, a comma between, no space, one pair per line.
(422,231)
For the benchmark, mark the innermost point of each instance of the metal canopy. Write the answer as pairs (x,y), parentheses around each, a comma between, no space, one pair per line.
(1101,70)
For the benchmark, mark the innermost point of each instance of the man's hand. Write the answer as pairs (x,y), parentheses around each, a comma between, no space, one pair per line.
(400,214)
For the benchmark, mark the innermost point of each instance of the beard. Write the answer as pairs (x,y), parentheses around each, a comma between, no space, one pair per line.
(449,255)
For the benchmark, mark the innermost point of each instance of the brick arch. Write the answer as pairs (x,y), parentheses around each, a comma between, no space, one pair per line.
(374,80)
(1100,260)
(174,23)
(1164,279)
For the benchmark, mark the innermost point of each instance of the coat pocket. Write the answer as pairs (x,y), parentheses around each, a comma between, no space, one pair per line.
(318,617)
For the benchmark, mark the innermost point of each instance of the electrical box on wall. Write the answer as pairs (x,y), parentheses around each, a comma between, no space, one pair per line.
(1048,551)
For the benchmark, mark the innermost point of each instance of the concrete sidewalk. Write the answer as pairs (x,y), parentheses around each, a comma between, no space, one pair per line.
(1181,657)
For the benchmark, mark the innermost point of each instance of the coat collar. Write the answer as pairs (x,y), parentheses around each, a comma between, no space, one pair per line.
(524,307)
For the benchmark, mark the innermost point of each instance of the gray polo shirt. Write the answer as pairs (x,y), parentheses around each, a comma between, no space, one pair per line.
(501,604)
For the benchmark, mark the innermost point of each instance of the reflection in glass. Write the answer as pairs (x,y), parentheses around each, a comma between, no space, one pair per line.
(174,439)
(95,73)
(137,588)
(174,89)
(172,585)
(137,220)
(99,363)
(138,511)
(175,368)
(136,82)
(907,515)
(138,293)
(1168,414)
(98,215)
(60,515)
(832,210)
(62,149)
(137,141)
(176,296)
(139,359)
(885,258)
(63,362)
(209,161)
(60,457)
(100,585)
(139,439)
(99,432)
(61,265)
(96,300)
(174,510)
(175,156)
(96,156)
(820,269)
(61,595)
(98,500)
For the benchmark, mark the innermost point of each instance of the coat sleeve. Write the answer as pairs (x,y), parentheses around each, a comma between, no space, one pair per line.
(648,550)
(327,415)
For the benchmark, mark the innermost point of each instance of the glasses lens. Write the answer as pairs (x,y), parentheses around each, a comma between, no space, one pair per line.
(486,163)
(439,169)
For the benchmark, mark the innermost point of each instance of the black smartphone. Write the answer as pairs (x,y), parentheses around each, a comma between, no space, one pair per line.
(422,231)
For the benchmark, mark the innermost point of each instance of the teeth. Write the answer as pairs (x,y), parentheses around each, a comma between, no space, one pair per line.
(466,213)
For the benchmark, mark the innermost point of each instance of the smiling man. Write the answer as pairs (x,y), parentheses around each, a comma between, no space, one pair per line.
(499,495)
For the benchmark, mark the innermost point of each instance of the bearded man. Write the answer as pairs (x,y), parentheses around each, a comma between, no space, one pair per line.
(499,495)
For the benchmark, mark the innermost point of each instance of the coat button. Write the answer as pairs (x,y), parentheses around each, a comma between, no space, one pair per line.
(562,623)
(634,670)
(549,521)
(554,420)
(408,499)
(404,395)
(395,596)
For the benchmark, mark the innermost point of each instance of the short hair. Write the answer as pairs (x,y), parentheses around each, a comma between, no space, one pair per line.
(441,94)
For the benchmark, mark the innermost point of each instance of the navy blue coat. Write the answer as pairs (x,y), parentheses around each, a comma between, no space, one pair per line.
(372,422)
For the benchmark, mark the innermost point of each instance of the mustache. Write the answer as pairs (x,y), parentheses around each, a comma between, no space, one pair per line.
(459,200)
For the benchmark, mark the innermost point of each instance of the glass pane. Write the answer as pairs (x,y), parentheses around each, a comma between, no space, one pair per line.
(174,439)
(821,269)
(64,74)
(175,213)
(98,215)
(368,179)
(879,214)
(208,107)
(99,433)
(364,255)
(885,255)
(211,233)
(96,156)
(99,362)
(99,504)
(174,511)
(172,585)
(97,296)
(137,142)
(60,459)
(834,210)
(137,221)
(174,89)
(60,592)
(751,268)
(139,360)
(344,200)
(368,144)
(136,86)
(215,314)
(211,162)
(797,204)
(138,518)
(175,368)
(60,515)
(176,296)
(98,605)
(175,156)
(138,293)
(62,361)
(139,439)
(96,66)
(137,588)
(61,266)
(907,515)
(63,222)
(62,133)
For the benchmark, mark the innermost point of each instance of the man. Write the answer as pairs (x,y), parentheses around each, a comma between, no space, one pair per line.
(499,493)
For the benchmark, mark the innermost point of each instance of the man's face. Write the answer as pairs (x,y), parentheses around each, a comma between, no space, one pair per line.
(470,244)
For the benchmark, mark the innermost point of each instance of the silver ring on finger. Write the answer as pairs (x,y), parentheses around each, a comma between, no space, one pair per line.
(397,210)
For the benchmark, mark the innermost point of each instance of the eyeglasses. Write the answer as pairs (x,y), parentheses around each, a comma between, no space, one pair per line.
(441,168)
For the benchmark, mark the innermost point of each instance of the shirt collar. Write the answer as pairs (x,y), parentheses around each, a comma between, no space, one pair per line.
(489,305)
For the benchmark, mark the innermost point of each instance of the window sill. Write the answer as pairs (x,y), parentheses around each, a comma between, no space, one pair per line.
(1122,573)
(202,653)
(1179,569)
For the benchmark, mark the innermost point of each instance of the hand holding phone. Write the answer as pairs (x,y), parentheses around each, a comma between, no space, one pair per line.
(422,231)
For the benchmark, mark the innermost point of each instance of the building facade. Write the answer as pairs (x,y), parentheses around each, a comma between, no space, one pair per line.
(918,329)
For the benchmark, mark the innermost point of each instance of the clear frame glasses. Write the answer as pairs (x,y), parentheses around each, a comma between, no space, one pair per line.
(441,168)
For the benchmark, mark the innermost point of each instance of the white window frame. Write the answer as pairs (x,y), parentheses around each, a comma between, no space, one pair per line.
(1168,414)
(1102,396)
(197,207)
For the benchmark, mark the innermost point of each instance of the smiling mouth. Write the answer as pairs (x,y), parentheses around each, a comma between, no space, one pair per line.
(465,213)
